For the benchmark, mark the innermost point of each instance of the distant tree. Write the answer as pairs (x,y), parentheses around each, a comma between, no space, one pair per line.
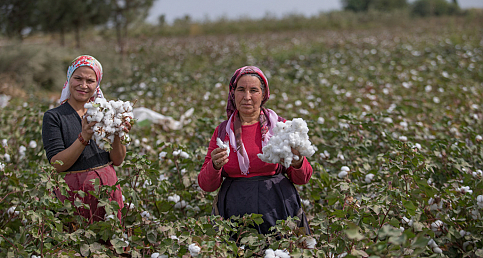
(185,20)
(387,5)
(434,7)
(54,17)
(125,12)
(356,5)
(162,20)
(380,5)
(16,17)
(87,13)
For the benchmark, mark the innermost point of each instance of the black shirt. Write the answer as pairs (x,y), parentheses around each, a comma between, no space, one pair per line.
(61,127)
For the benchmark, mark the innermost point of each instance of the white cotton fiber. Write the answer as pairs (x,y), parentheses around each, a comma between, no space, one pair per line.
(223,145)
(288,135)
(110,117)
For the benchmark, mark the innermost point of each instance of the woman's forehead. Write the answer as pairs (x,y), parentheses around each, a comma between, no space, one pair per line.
(84,70)
(249,80)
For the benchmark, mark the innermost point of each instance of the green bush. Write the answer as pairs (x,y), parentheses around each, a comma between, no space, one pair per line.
(35,67)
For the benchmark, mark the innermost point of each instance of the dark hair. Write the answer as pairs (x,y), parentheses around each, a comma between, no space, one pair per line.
(262,84)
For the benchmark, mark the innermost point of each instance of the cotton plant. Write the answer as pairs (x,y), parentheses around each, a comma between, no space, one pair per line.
(110,117)
(288,135)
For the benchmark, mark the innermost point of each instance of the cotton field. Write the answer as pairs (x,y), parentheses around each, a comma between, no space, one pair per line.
(393,119)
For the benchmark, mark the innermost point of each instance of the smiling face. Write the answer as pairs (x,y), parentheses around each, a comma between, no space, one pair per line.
(82,85)
(248,95)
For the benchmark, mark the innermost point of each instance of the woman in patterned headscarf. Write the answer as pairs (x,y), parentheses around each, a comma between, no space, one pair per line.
(249,185)
(66,135)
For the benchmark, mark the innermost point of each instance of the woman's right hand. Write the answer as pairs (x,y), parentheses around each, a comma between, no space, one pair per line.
(87,130)
(219,158)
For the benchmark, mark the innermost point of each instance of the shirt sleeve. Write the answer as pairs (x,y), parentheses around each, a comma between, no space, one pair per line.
(52,135)
(209,179)
(302,175)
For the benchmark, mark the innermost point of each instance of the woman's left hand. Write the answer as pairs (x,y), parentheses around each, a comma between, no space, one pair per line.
(126,126)
(297,163)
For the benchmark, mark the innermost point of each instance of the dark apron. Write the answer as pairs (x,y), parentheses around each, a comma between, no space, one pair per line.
(275,197)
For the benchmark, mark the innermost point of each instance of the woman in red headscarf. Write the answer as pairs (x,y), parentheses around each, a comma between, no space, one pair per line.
(249,185)
(66,135)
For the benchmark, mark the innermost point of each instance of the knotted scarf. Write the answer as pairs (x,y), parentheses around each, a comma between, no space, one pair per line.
(84,60)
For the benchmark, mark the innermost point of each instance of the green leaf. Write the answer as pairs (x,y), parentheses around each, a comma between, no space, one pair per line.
(353,232)
(409,207)
(85,250)
(257,218)
(152,236)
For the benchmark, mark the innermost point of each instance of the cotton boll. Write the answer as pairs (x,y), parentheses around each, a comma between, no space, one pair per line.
(432,244)
(282,253)
(12,212)
(116,122)
(369,178)
(109,118)
(405,220)
(437,250)
(145,214)
(194,249)
(116,104)
(180,205)
(309,242)
(223,145)
(174,198)
(288,135)
(109,217)
(6,157)
(342,174)
(184,155)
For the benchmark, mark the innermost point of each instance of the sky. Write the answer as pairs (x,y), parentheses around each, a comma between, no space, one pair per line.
(200,10)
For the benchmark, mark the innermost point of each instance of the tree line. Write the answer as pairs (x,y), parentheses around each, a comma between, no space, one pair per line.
(21,17)
(18,17)
(418,7)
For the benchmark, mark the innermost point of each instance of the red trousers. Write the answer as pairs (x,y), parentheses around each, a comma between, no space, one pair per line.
(81,181)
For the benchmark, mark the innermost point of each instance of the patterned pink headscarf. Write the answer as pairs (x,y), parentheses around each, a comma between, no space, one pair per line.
(84,60)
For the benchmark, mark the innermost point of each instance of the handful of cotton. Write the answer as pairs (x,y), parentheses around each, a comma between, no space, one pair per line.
(110,117)
(223,145)
(288,135)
